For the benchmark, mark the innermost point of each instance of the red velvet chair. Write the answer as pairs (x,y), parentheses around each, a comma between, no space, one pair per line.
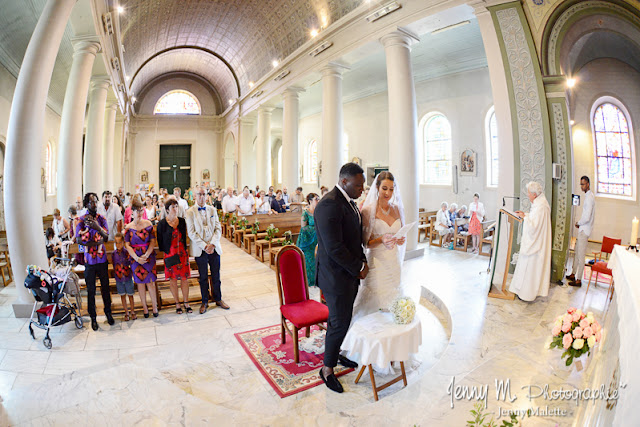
(293,291)
(602,267)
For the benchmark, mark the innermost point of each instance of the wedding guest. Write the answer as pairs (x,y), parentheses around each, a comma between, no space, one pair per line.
(121,196)
(53,243)
(128,212)
(285,195)
(217,201)
(229,204)
(172,240)
(307,239)
(61,227)
(296,199)
(111,213)
(453,207)
(462,213)
(150,209)
(140,241)
(364,198)
(73,215)
(585,227)
(270,195)
(203,227)
(262,204)
(92,232)
(476,210)
(323,191)
(443,223)
(121,261)
(182,203)
(246,203)
(156,203)
(277,204)
(533,269)
(116,201)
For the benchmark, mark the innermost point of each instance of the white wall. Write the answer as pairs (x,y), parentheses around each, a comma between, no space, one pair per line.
(151,132)
(464,98)
(51,133)
(604,77)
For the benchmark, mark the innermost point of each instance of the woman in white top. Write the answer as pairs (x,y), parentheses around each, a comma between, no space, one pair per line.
(262,204)
(60,226)
(476,211)
(150,208)
(443,223)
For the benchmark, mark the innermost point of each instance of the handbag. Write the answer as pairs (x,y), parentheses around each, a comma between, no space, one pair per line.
(172,261)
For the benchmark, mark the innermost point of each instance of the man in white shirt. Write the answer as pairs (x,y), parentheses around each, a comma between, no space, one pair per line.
(246,203)
(112,214)
(585,227)
(229,204)
(184,206)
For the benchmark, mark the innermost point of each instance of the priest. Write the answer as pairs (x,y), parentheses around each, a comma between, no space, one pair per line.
(533,269)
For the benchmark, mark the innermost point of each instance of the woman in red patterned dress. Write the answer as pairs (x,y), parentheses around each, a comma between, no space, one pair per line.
(172,240)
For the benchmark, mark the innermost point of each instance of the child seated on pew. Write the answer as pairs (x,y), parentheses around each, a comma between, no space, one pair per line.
(121,261)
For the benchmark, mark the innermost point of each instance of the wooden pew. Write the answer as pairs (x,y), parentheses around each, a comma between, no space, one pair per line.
(424,224)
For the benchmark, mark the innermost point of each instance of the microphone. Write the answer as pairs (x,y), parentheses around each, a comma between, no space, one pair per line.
(509,197)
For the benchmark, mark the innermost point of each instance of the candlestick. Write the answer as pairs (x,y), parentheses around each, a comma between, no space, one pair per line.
(634,232)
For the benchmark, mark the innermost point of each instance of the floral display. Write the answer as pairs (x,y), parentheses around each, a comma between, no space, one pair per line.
(576,332)
(288,238)
(271,232)
(255,227)
(403,310)
(243,223)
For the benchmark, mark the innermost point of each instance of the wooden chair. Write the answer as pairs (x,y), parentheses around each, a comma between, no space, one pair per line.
(433,233)
(461,239)
(424,223)
(293,292)
(602,267)
(488,228)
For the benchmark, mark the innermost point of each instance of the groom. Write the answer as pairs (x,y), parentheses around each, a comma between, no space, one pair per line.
(341,263)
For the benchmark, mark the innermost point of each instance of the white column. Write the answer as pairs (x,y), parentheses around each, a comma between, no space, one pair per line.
(332,125)
(92,172)
(403,126)
(108,147)
(72,123)
(263,148)
(25,136)
(290,160)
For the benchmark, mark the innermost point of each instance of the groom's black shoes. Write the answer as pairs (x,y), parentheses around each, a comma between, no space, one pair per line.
(332,382)
(346,362)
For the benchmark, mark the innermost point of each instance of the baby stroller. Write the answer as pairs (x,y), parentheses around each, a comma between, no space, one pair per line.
(56,309)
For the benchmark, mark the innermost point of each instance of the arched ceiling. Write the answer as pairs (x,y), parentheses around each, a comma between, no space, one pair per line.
(247,35)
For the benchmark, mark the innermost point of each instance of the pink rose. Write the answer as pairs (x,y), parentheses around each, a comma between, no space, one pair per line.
(566,327)
(587,332)
(566,341)
(598,335)
(567,318)
(596,326)
(571,310)
(577,332)
(556,331)
(584,323)
(576,316)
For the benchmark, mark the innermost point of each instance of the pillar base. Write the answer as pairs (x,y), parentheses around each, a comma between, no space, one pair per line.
(416,253)
(22,311)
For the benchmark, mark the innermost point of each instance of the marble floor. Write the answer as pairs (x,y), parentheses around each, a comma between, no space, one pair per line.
(190,370)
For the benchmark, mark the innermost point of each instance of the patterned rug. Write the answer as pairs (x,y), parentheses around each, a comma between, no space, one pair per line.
(602,278)
(276,361)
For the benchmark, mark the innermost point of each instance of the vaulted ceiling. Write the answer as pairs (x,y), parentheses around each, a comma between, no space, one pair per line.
(228,42)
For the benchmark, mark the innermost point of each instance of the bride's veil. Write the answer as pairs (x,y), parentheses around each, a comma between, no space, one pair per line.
(369,212)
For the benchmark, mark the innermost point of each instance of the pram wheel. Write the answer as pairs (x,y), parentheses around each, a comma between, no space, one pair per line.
(79,322)
(31,332)
(47,342)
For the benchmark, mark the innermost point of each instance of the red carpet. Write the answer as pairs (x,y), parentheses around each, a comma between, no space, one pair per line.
(602,278)
(276,362)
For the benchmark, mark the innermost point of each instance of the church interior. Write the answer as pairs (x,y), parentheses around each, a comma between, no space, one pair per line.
(464,102)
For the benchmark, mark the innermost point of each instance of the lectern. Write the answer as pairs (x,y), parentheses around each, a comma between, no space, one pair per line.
(502,292)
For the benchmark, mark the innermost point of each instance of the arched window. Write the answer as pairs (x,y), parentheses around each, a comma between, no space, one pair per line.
(436,150)
(311,162)
(280,164)
(177,102)
(615,168)
(491,132)
(48,167)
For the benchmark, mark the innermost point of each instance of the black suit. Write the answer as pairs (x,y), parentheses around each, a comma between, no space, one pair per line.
(339,261)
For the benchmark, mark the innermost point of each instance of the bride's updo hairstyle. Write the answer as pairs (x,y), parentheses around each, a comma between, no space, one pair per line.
(382,176)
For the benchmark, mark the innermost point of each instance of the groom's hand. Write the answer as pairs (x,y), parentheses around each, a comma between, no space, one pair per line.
(364,271)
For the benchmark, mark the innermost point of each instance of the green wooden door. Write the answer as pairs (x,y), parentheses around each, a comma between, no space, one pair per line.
(175,167)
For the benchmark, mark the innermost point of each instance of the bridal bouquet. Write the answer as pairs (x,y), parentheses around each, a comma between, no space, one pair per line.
(576,332)
(403,310)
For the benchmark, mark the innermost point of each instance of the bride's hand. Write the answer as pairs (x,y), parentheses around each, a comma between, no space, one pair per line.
(400,241)
(388,241)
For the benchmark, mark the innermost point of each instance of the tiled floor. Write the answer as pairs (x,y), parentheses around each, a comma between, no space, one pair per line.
(189,369)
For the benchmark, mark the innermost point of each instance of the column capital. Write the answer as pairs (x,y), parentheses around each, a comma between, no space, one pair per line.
(86,45)
(334,69)
(112,105)
(102,82)
(400,36)
(247,121)
(292,92)
(265,110)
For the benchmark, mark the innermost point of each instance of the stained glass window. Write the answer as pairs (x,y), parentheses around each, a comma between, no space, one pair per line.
(177,102)
(492,148)
(311,165)
(437,151)
(613,151)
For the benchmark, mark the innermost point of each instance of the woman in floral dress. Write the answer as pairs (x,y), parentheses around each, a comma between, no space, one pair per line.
(140,241)
(308,240)
(172,240)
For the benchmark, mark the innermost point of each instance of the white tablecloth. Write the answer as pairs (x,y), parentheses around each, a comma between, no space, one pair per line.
(376,340)
(626,275)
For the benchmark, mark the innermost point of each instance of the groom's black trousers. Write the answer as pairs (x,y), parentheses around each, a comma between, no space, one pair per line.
(340,311)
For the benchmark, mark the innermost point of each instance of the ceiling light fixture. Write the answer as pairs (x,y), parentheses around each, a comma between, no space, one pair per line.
(321,48)
(231,102)
(251,84)
(572,122)
(133,99)
(314,33)
(120,9)
(571,82)
(127,77)
(450,27)
(274,63)
(282,75)
(383,11)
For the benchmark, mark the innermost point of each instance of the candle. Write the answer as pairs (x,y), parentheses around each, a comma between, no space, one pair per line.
(634,232)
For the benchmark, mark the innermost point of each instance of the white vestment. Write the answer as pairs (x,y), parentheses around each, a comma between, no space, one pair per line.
(533,270)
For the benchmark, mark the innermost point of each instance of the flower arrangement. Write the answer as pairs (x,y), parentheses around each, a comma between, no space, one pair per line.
(243,223)
(271,232)
(403,310)
(234,219)
(288,238)
(255,227)
(576,332)
(226,217)
(220,215)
